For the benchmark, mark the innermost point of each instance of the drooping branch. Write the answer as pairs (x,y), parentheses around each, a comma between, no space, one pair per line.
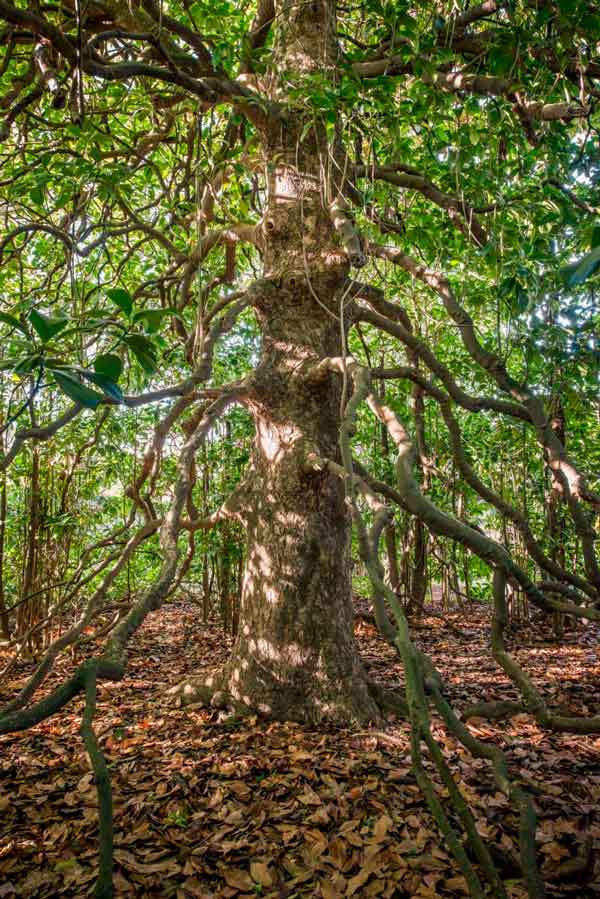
(572,196)
(408,178)
(529,407)
(571,480)
(391,322)
(112,663)
(149,468)
(39,433)
(532,700)
(210,89)
(415,688)
(33,227)
(71,635)
(218,327)
(459,80)
(409,497)
(191,38)
(486,493)
(412,661)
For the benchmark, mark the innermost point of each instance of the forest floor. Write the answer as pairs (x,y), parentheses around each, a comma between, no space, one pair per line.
(246,808)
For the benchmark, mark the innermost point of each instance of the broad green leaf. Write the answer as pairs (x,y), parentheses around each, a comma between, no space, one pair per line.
(153,318)
(27,364)
(13,322)
(47,327)
(584,269)
(144,351)
(53,362)
(36,196)
(109,365)
(107,384)
(122,299)
(77,391)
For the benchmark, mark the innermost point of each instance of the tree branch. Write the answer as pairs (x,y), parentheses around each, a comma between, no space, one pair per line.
(412,180)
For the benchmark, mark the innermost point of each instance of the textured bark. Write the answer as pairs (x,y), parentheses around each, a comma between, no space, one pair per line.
(27,612)
(4,619)
(295,655)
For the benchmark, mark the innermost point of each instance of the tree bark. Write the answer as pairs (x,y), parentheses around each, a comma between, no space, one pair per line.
(295,655)
(4,619)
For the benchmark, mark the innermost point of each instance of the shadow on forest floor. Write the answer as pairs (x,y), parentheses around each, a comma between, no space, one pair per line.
(250,808)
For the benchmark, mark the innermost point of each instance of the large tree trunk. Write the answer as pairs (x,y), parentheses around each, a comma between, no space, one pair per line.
(295,656)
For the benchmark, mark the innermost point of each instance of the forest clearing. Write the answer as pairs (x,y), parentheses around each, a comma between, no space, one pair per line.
(246,807)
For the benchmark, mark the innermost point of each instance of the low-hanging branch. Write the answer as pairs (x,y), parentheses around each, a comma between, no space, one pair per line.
(209,89)
(408,178)
(504,507)
(217,328)
(183,166)
(574,481)
(568,478)
(416,681)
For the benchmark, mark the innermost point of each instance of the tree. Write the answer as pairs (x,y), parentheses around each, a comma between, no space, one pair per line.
(162,161)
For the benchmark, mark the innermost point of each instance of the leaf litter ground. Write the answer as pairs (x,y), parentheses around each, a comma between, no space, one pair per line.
(245,808)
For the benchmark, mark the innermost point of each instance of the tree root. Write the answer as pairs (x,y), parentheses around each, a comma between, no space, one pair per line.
(574,868)
(389,701)
(198,693)
(493,710)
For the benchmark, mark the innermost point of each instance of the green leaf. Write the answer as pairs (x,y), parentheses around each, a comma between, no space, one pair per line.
(144,351)
(107,384)
(109,365)
(153,318)
(27,364)
(13,322)
(521,300)
(507,287)
(122,299)
(53,362)
(585,268)
(77,391)
(47,327)
(65,864)
(36,195)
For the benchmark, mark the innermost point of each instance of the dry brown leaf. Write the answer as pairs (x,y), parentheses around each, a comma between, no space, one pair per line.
(241,790)
(260,873)
(328,891)
(237,878)
(130,862)
(356,882)
(456,884)
(381,828)
(555,851)
(309,797)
